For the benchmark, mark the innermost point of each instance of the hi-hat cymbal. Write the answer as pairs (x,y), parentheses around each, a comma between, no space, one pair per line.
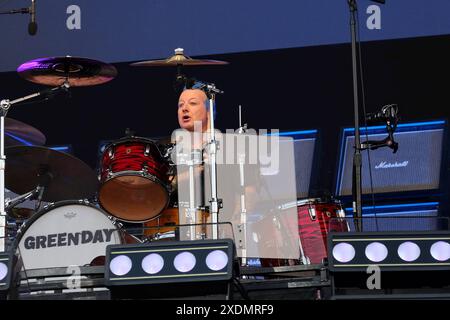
(178,59)
(55,71)
(18,133)
(66,177)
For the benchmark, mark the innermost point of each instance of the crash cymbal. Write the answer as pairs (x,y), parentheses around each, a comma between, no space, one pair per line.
(18,133)
(66,177)
(55,71)
(178,59)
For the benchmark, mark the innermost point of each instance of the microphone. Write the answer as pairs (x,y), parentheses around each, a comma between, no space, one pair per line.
(32,26)
(388,112)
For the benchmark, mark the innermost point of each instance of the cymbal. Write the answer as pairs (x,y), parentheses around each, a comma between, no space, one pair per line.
(178,59)
(78,72)
(21,213)
(18,133)
(67,177)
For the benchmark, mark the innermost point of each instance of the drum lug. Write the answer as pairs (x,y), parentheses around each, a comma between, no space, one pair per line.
(111,153)
(147,150)
(340,213)
(312,213)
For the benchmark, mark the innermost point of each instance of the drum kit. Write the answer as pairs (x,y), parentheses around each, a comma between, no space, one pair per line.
(133,184)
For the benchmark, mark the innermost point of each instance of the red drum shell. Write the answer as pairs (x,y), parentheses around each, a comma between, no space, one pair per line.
(134,180)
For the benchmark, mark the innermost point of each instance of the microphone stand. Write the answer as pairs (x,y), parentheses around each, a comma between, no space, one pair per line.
(357,160)
(5,105)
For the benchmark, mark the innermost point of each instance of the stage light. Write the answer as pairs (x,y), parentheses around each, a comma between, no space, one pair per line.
(120,265)
(440,251)
(389,250)
(184,262)
(3,271)
(343,252)
(145,270)
(409,251)
(7,273)
(153,263)
(406,264)
(216,260)
(376,252)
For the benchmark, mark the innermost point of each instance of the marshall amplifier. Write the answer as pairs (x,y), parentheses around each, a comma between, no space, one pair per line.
(419,216)
(415,167)
(304,150)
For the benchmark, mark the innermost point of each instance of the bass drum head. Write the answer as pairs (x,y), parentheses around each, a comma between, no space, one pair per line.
(64,234)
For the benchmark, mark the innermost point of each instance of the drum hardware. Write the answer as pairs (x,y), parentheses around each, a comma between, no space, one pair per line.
(242,227)
(10,204)
(312,213)
(5,105)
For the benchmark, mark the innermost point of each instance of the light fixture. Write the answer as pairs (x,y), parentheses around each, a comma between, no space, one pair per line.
(363,265)
(7,273)
(150,267)
(389,250)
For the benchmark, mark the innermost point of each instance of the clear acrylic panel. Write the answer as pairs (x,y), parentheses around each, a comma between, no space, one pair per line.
(255,177)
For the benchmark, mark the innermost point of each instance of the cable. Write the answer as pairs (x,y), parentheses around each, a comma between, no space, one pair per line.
(363,100)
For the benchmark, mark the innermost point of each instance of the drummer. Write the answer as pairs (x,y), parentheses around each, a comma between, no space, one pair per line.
(192,107)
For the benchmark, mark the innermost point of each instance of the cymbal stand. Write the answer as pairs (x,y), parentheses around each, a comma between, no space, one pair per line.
(191,211)
(216,203)
(5,105)
(242,226)
(11,203)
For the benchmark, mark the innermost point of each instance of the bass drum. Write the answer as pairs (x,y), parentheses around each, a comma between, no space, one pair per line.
(68,233)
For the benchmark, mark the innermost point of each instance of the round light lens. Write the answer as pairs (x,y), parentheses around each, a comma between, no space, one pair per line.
(376,252)
(343,252)
(409,251)
(120,265)
(184,262)
(152,263)
(440,251)
(3,271)
(217,260)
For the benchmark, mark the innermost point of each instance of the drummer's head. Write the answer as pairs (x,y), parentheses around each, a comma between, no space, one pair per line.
(192,107)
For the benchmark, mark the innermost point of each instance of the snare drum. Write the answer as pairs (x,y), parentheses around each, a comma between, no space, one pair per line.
(67,233)
(134,184)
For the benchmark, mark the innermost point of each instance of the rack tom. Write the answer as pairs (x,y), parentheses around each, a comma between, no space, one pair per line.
(134,181)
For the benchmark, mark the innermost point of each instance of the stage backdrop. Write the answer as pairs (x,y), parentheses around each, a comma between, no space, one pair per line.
(118,30)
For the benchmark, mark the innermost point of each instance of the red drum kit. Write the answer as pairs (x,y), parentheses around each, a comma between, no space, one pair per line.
(133,184)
